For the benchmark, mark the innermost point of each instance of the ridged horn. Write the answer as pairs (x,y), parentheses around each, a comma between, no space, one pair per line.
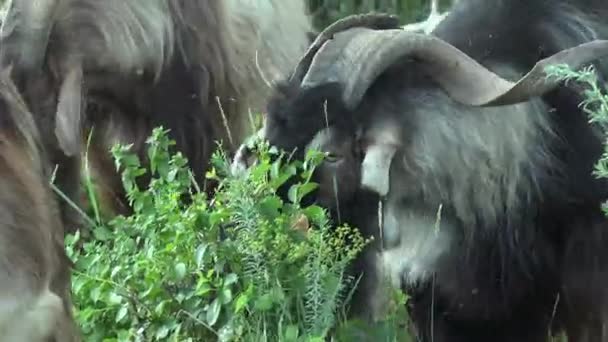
(357,56)
(376,21)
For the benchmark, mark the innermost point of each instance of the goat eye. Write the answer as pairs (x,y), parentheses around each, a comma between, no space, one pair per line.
(331,157)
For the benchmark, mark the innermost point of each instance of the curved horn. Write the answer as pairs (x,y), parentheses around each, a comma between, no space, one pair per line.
(356,57)
(377,21)
(25,32)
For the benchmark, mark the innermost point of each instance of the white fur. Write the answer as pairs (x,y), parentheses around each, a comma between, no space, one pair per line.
(384,138)
(270,37)
(414,242)
(376,167)
(28,316)
(277,49)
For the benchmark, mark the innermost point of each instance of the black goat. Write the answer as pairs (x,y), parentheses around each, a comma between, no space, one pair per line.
(521,247)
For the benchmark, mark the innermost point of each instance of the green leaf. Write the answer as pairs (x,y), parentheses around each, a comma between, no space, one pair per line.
(307,188)
(270,206)
(102,233)
(287,172)
(291,333)
(213,312)
(315,213)
(275,170)
(241,302)
(230,279)
(202,287)
(121,314)
(292,194)
(263,303)
(171,175)
(226,296)
(200,254)
(160,308)
(114,298)
(115,271)
(96,294)
(162,332)
(124,336)
(180,270)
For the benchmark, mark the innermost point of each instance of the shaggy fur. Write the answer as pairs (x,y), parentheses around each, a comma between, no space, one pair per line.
(189,66)
(521,246)
(35,300)
(270,53)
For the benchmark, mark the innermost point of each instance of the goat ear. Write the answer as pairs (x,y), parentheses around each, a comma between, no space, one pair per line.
(379,145)
(68,116)
(376,166)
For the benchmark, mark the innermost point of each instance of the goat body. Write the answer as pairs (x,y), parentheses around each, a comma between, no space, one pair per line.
(35,300)
(519,248)
(194,67)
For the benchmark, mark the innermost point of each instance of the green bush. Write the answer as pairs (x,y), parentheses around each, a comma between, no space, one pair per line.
(594,104)
(245,266)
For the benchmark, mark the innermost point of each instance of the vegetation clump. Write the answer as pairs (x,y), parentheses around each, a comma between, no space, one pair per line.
(243,266)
